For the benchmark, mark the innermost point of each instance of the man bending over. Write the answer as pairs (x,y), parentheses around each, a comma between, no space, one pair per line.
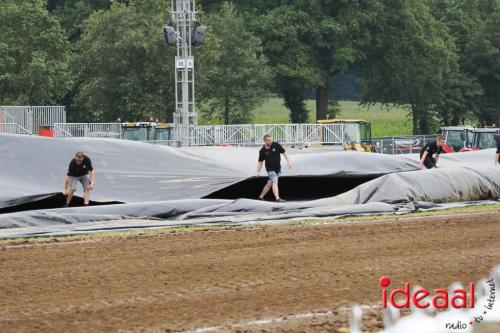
(426,154)
(80,171)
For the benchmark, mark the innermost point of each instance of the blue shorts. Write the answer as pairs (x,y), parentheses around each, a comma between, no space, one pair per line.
(84,180)
(273,176)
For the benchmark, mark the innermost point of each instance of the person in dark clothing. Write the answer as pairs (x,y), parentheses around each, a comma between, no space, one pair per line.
(80,170)
(427,158)
(497,155)
(271,154)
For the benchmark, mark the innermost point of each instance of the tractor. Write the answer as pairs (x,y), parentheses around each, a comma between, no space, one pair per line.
(485,138)
(147,131)
(458,138)
(357,134)
(467,138)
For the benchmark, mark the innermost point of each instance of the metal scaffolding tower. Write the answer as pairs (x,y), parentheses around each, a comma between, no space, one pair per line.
(184,17)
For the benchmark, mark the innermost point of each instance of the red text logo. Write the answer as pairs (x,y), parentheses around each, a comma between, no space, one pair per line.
(422,298)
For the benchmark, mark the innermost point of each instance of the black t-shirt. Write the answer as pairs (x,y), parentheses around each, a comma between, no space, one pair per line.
(272,156)
(83,169)
(431,148)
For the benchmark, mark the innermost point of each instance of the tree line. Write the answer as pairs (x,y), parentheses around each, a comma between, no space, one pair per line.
(106,59)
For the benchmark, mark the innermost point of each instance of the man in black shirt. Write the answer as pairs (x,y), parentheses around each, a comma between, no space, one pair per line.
(80,170)
(427,152)
(271,154)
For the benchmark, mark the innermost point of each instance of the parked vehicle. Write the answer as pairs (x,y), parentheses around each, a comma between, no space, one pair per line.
(357,133)
(458,138)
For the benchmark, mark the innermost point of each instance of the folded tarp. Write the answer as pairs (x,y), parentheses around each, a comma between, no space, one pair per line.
(207,219)
(160,210)
(443,185)
(126,171)
(33,167)
(452,184)
(156,182)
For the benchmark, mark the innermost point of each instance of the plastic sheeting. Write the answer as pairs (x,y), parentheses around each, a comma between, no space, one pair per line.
(155,182)
(443,185)
(33,168)
(58,223)
(382,195)
(126,171)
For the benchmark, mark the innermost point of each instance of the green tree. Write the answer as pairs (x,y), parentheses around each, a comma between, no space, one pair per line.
(250,8)
(463,91)
(460,93)
(34,54)
(284,35)
(308,43)
(234,75)
(408,59)
(123,65)
(96,4)
(72,13)
(333,40)
(483,62)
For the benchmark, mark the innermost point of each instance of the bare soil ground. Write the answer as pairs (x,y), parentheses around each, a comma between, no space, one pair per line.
(288,278)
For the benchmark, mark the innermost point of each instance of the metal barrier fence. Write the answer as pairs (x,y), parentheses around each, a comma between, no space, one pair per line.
(251,135)
(8,120)
(288,134)
(13,128)
(31,118)
(88,130)
(402,144)
(207,135)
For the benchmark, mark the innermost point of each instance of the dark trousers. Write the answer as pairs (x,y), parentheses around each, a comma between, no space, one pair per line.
(429,162)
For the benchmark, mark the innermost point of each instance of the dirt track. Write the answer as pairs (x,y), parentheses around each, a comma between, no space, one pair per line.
(231,278)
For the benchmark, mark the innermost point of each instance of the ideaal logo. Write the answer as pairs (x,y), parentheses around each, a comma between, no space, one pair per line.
(459,298)
(440,298)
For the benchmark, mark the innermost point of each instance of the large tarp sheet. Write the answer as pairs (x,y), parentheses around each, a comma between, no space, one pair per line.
(59,223)
(156,182)
(443,185)
(127,171)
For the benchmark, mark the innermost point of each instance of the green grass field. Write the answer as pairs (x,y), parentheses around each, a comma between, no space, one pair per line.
(386,121)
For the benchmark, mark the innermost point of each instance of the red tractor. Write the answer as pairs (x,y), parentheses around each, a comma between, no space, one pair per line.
(485,138)
(467,138)
(458,138)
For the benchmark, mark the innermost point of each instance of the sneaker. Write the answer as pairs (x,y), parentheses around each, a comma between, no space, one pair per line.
(261,199)
(65,206)
(280,200)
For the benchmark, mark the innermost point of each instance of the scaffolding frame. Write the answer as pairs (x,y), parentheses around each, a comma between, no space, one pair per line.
(183,16)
